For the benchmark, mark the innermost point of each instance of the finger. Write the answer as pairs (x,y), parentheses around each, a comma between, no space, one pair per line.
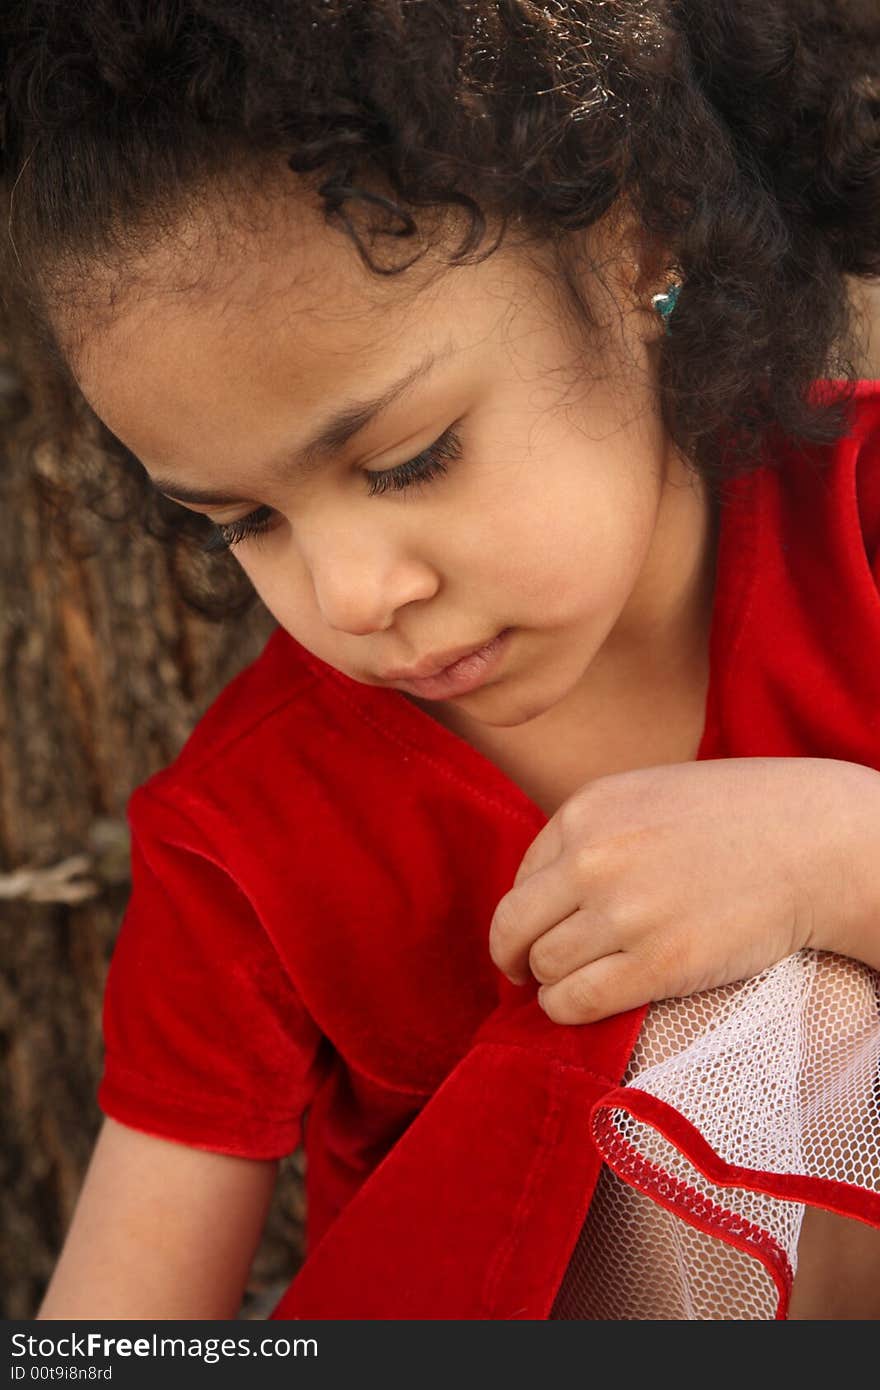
(525,913)
(611,985)
(583,937)
(546,846)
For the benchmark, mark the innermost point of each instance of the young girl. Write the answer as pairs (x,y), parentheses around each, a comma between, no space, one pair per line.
(509,347)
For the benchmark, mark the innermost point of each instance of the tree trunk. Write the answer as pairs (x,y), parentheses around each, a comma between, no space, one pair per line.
(103,674)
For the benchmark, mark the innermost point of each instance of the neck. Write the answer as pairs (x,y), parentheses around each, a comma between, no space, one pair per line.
(663,631)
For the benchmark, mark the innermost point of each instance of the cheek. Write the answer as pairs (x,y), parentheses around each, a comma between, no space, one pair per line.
(284,585)
(575,543)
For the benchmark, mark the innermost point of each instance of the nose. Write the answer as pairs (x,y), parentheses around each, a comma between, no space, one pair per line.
(362,580)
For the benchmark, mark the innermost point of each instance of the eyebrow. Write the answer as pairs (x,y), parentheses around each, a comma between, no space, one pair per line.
(336,431)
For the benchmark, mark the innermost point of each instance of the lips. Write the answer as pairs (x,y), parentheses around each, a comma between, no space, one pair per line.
(463,676)
(433,665)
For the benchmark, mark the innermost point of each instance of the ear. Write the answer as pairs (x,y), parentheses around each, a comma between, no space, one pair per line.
(655,269)
(644,263)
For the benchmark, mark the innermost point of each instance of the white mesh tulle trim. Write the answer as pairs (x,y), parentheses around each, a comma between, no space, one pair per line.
(779,1074)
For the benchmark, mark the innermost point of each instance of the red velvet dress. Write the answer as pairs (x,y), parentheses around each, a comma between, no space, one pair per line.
(304,954)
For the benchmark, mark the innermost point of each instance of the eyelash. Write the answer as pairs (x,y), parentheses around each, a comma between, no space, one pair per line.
(431,463)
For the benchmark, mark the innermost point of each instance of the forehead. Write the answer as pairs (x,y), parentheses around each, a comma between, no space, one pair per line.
(205,349)
(244,263)
(222,349)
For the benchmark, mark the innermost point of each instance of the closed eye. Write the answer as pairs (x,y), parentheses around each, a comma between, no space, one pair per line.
(430,464)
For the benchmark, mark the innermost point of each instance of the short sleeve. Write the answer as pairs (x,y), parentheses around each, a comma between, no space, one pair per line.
(206,1038)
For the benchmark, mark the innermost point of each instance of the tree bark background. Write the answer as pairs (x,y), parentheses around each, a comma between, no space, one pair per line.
(103,674)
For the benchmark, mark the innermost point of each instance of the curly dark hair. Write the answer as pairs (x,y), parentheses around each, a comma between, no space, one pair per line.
(743,134)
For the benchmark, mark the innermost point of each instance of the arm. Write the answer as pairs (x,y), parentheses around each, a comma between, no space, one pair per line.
(160,1231)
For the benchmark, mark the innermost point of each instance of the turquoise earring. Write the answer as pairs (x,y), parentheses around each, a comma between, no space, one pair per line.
(664,303)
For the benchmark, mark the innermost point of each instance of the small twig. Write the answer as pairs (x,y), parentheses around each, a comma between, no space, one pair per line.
(59,883)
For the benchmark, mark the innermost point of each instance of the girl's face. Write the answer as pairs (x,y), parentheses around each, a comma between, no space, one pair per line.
(545,497)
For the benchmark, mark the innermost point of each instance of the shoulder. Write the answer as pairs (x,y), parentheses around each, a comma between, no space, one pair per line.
(823,499)
(852,465)
(864,444)
(250,745)
(269,688)
(851,482)
(806,685)
(285,765)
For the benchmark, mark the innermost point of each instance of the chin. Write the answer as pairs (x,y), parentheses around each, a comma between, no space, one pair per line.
(510,709)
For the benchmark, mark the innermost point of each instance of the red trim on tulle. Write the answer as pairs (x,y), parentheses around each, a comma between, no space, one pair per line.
(693,1206)
(842,1198)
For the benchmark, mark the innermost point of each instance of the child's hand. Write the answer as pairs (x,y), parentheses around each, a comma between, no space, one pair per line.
(664,881)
